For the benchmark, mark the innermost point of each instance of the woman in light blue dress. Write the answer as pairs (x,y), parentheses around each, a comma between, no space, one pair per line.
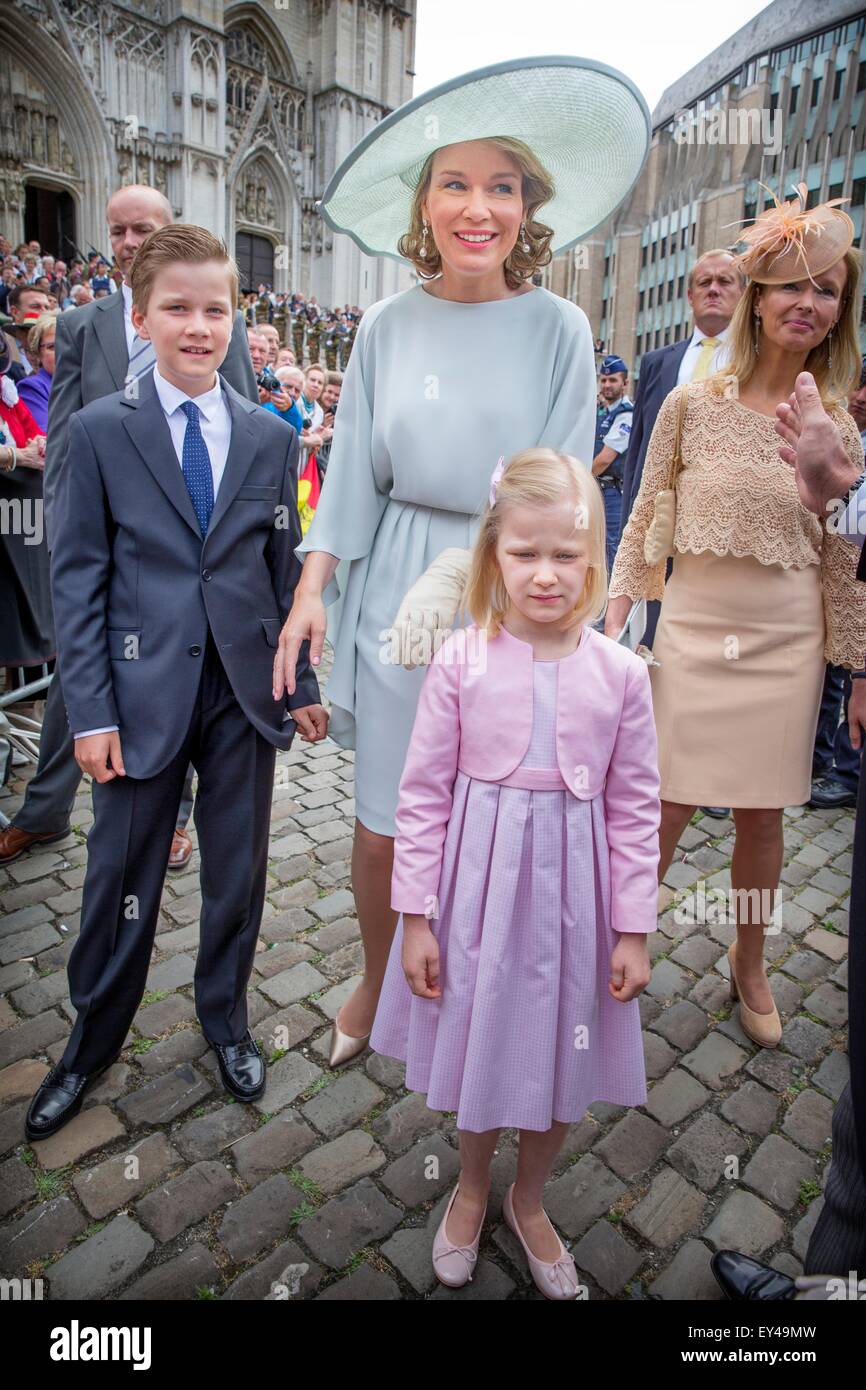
(473,363)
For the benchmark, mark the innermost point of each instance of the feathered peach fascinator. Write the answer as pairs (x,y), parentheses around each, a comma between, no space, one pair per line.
(793,242)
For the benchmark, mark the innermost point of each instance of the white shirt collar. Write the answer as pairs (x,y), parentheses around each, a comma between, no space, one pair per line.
(698,335)
(126,291)
(171,399)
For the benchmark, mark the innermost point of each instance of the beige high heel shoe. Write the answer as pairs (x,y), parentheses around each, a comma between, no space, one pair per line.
(343,1046)
(763,1029)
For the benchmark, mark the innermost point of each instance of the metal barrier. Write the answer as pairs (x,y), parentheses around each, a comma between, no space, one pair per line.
(18,733)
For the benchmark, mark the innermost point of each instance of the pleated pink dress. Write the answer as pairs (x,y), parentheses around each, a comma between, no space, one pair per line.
(525,1031)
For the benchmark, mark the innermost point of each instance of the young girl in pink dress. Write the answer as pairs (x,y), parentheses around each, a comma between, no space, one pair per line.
(525,861)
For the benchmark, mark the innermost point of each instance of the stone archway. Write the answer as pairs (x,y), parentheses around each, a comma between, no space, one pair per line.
(260,204)
(52,133)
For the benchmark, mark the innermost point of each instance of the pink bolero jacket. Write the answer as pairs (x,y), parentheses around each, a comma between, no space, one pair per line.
(474,715)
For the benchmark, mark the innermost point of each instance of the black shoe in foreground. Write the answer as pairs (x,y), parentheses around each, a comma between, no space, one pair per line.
(827,792)
(740,1277)
(59,1097)
(242,1068)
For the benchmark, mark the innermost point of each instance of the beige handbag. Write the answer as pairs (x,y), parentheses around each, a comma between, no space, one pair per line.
(659,540)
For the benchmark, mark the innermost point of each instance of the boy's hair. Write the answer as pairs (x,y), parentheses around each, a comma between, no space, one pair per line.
(538,477)
(182,241)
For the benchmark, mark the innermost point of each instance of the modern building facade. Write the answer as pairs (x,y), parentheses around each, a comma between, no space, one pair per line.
(238,112)
(782,101)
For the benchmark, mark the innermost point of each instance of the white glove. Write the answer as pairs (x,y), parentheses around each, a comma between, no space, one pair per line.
(426,615)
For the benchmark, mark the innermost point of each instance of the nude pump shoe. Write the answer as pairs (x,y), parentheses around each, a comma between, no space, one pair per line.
(763,1029)
(343,1046)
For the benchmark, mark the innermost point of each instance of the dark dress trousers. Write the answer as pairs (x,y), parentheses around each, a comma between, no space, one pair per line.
(658,377)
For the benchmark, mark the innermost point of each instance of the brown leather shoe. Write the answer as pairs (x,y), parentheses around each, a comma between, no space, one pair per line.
(181,850)
(15,842)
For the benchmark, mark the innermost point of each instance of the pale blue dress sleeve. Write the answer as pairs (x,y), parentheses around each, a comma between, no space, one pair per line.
(351,503)
(570,424)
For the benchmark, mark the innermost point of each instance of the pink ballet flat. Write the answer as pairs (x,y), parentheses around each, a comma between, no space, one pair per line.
(453,1264)
(555,1280)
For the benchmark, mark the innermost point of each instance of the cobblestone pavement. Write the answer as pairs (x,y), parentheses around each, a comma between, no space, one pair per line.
(322,1189)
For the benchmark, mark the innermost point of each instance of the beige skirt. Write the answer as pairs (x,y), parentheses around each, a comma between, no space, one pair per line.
(737,691)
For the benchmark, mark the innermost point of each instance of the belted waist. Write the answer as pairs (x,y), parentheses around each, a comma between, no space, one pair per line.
(606,482)
(534,779)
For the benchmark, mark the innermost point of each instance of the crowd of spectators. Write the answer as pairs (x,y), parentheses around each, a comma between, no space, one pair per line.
(35,287)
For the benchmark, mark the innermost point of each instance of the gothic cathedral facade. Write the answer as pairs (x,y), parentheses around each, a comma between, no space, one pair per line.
(238,112)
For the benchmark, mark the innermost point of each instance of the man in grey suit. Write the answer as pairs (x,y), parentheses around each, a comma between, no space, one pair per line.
(714,287)
(97,350)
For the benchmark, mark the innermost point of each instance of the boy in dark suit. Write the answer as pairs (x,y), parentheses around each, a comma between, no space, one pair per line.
(173,570)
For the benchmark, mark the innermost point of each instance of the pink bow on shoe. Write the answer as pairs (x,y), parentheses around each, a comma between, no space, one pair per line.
(494,480)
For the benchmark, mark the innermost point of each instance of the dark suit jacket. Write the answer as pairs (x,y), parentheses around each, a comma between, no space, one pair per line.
(658,377)
(92,361)
(135,588)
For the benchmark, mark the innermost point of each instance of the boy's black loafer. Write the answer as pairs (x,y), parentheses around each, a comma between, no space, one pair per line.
(242,1068)
(58,1098)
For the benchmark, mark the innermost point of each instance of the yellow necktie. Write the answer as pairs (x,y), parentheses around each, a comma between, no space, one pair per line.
(705,357)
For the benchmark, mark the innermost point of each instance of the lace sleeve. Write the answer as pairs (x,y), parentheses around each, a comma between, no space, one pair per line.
(631,574)
(844,598)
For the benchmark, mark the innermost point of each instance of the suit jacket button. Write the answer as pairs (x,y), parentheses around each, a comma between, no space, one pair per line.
(206,574)
(195,651)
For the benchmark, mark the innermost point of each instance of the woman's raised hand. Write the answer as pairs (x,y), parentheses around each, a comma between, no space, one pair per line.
(307,619)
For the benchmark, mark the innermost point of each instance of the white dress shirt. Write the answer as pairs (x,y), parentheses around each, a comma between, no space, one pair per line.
(127,317)
(690,358)
(216,429)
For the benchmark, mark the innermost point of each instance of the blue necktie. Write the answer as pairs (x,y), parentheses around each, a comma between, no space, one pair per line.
(196,465)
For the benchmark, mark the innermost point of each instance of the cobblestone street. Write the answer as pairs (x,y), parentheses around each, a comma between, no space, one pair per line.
(322,1189)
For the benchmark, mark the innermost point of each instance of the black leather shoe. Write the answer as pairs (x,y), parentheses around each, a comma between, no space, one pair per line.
(720,812)
(826,791)
(740,1277)
(242,1068)
(58,1098)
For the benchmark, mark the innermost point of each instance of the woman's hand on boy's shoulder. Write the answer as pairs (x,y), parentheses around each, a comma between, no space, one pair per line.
(312,722)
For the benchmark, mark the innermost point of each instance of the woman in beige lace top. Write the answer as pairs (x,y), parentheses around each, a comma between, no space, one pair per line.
(761,594)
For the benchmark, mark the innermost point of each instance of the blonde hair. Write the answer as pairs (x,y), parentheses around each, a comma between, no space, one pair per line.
(39,329)
(834,383)
(182,241)
(537,188)
(538,477)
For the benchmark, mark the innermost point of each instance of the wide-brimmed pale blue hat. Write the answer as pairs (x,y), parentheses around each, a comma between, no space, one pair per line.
(587,123)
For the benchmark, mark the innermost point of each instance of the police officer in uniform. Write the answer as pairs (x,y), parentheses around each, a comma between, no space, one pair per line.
(611,441)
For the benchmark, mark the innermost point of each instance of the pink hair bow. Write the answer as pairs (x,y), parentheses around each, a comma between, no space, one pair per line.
(494,480)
